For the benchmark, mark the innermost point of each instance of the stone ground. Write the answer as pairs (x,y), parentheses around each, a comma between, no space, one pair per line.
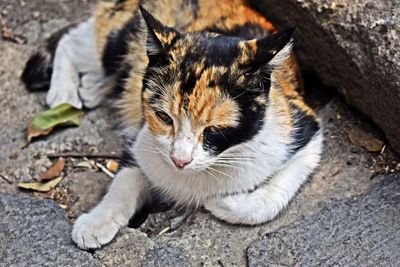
(347,214)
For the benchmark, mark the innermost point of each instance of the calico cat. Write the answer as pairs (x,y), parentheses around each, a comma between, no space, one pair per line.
(211,106)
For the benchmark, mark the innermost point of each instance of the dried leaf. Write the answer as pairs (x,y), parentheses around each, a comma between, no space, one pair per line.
(44,122)
(112,166)
(32,132)
(41,187)
(64,207)
(54,171)
(365,140)
(87,164)
(12,37)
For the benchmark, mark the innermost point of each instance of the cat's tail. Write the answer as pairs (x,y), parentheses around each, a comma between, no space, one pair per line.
(37,72)
(38,69)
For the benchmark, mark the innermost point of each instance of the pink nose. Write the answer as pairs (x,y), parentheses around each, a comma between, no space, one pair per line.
(179,163)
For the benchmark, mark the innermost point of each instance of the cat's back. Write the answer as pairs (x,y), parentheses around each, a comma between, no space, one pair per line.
(231,17)
(228,17)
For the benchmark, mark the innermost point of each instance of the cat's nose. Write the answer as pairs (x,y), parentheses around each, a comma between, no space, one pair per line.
(180,163)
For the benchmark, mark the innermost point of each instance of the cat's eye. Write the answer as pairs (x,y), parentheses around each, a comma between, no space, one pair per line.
(164,117)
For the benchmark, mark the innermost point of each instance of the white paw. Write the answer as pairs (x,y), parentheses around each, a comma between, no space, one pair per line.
(94,230)
(240,209)
(92,89)
(224,209)
(64,89)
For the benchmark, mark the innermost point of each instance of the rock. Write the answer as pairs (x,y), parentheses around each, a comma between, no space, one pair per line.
(37,233)
(85,199)
(166,256)
(353,46)
(129,248)
(356,232)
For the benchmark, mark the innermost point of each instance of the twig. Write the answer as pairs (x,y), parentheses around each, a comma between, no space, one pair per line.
(5,179)
(83,155)
(336,173)
(164,230)
(105,170)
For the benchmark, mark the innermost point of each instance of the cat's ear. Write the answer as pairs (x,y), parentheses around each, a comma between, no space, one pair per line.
(159,37)
(270,51)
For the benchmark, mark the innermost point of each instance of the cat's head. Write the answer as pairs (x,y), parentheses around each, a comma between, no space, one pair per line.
(204,93)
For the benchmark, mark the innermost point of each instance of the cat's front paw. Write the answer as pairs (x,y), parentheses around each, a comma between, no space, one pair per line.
(94,230)
(223,208)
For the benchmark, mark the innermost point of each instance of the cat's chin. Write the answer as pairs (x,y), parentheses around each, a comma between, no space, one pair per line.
(189,171)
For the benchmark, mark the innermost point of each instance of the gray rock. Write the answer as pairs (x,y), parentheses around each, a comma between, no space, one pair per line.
(166,256)
(353,46)
(129,248)
(356,232)
(37,233)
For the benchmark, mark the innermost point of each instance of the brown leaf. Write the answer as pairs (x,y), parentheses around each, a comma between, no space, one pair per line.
(54,171)
(12,37)
(365,140)
(32,132)
(41,187)
(86,164)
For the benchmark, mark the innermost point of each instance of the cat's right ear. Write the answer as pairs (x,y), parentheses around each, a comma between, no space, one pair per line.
(160,38)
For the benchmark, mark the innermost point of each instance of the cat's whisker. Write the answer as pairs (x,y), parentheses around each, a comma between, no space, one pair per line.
(220,172)
(212,175)
(229,166)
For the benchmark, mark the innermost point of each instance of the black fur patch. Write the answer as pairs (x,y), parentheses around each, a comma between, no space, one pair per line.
(305,128)
(247,31)
(37,73)
(156,204)
(250,123)
(216,51)
(127,159)
(252,113)
(117,46)
(119,81)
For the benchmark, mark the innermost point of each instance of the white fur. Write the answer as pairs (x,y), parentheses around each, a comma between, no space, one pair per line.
(76,55)
(252,162)
(266,202)
(205,181)
(126,194)
(185,144)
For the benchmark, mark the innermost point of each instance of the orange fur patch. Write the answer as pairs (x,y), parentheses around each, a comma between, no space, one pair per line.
(204,107)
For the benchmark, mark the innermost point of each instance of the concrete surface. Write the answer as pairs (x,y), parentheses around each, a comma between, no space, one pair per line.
(36,233)
(347,171)
(361,231)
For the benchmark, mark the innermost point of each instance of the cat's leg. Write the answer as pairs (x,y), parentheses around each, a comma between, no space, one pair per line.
(127,193)
(93,88)
(267,201)
(77,77)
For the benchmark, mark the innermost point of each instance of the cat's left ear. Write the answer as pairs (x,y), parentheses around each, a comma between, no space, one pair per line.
(160,38)
(270,51)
